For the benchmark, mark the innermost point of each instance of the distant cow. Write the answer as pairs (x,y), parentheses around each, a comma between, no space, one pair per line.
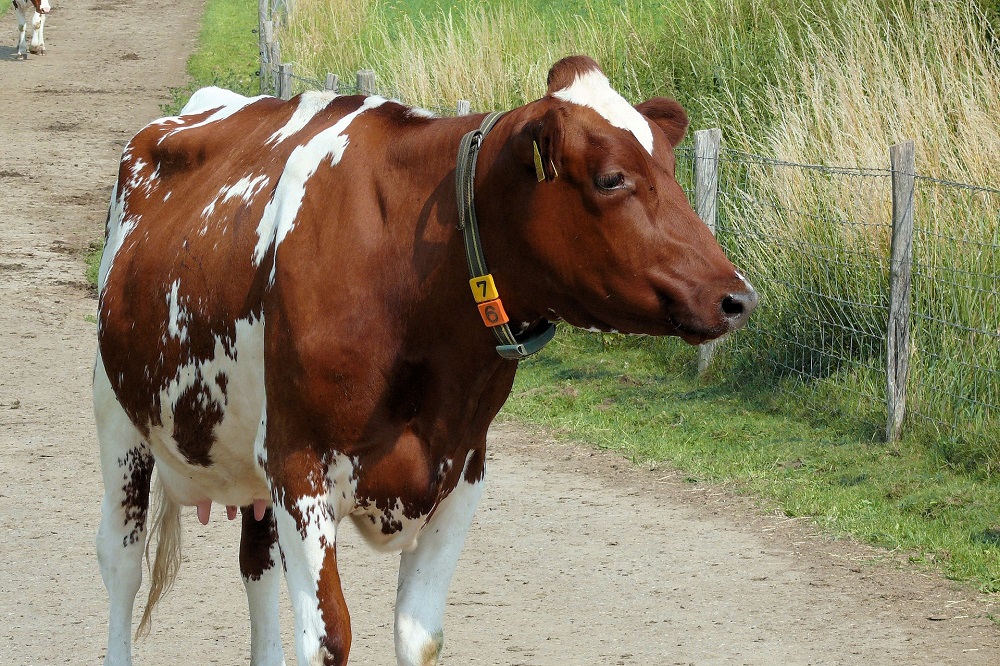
(286,323)
(38,9)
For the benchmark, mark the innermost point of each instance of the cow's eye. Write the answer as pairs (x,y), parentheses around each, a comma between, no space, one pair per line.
(610,181)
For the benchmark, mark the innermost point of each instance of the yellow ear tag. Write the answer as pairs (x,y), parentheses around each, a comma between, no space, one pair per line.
(538,163)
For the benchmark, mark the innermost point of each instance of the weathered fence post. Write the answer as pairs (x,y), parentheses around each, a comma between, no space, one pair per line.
(463,108)
(366,82)
(902,160)
(331,82)
(706,195)
(267,48)
(285,80)
(275,59)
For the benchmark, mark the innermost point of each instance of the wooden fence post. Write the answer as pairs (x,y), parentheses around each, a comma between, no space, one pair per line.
(331,82)
(285,81)
(903,162)
(463,108)
(269,48)
(275,59)
(263,44)
(366,82)
(706,195)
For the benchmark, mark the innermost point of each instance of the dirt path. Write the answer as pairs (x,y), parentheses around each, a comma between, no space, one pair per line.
(575,557)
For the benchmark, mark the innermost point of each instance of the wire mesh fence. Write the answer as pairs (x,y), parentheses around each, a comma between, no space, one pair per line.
(954,386)
(814,241)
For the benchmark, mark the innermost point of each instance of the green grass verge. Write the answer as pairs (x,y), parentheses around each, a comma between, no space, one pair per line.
(227,52)
(640,396)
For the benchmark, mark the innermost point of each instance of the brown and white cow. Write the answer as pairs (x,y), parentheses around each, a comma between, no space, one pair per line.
(38,10)
(286,323)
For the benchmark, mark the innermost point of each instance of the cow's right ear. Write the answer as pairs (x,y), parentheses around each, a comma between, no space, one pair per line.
(668,114)
(539,145)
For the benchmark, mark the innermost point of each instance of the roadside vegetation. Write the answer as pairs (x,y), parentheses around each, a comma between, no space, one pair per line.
(818,81)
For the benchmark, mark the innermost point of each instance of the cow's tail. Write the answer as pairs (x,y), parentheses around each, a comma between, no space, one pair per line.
(167,559)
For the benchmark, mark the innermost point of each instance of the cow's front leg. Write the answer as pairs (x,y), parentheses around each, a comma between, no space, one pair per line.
(260,567)
(126,465)
(425,574)
(37,33)
(22,27)
(307,520)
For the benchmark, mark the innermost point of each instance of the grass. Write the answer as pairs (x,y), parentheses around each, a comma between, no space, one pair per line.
(640,396)
(227,53)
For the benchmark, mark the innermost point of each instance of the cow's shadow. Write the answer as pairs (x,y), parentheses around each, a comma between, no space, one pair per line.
(10,53)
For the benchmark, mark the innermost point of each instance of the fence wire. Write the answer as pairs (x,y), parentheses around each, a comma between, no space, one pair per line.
(955,364)
(814,241)
(304,83)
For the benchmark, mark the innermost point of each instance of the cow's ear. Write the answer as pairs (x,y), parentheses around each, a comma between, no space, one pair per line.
(668,115)
(539,145)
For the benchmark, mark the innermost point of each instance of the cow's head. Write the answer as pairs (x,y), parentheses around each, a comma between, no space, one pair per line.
(606,238)
(41,6)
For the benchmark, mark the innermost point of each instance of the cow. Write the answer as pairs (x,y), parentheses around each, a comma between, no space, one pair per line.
(38,8)
(286,326)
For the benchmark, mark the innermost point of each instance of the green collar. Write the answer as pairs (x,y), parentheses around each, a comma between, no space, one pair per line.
(481,282)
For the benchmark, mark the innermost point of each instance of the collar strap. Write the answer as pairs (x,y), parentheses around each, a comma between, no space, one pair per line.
(483,289)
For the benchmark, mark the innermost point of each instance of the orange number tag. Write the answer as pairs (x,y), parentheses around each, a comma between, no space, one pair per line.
(493,313)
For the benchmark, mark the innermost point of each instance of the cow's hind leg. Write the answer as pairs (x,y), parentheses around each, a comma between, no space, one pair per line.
(307,533)
(126,465)
(425,574)
(260,566)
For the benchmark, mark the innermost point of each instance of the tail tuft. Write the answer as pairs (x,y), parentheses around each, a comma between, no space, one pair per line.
(167,560)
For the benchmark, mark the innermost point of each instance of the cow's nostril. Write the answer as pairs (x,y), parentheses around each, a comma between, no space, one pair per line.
(736,307)
(732,306)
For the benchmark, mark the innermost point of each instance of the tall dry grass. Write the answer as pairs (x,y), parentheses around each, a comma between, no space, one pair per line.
(494,55)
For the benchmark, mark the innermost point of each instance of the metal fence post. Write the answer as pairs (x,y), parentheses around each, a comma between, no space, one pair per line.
(902,159)
(706,196)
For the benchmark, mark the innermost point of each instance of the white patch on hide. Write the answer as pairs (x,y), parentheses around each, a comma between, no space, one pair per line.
(311,102)
(177,323)
(280,213)
(224,102)
(233,478)
(246,188)
(591,89)
(120,226)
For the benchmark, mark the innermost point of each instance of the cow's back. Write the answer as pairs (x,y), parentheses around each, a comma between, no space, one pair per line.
(187,259)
